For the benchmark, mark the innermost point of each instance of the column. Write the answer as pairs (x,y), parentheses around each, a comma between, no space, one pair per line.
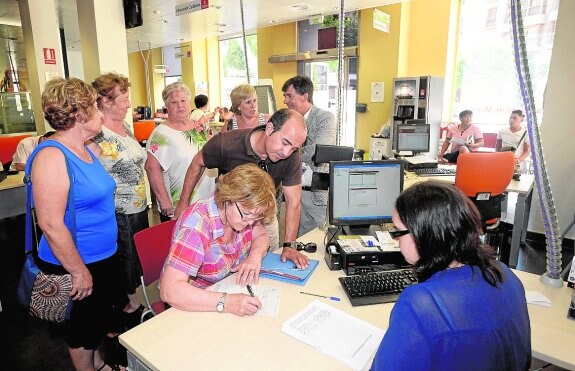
(103,37)
(43,50)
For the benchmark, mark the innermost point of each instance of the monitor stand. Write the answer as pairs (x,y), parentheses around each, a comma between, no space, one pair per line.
(357,230)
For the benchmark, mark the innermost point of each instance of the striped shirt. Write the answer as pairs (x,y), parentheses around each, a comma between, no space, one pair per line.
(198,248)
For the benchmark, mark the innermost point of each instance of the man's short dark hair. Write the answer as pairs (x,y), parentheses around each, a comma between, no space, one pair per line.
(518,112)
(302,85)
(465,113)
(201,100)
(279,118)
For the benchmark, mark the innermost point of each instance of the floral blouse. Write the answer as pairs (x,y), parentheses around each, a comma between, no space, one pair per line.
(123,158)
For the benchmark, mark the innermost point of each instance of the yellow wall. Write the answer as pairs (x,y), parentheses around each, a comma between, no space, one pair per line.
(276,40)
(378,62)
(202,67)
(137,77)
(416,45)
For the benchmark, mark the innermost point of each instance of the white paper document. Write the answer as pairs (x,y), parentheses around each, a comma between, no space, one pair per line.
(336,333)
(269,296)
(537,298)
(387,243)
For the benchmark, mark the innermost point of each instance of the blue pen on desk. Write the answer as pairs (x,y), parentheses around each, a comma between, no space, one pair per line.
(334,298)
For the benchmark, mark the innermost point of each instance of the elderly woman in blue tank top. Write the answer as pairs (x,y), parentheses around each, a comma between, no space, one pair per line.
(69,106)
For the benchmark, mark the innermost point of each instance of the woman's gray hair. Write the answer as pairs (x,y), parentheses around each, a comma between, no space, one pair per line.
(173,87)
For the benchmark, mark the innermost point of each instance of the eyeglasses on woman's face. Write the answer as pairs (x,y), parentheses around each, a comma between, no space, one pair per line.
(247,217)
(396,233)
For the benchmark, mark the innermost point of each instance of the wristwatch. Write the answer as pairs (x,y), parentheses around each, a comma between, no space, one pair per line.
(291,244)
(220,306)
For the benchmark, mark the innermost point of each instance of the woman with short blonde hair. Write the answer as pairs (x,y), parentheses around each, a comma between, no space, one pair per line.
(171,148)
(217,236)
(245,109)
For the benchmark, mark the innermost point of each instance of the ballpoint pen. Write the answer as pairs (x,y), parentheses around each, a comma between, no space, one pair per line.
(281,274)
(250,290)
(334,298)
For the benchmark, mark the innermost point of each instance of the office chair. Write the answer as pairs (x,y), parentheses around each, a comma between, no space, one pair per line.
(153,246)
(483,177)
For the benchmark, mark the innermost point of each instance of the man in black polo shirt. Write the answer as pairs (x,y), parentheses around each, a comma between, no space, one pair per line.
(274,147)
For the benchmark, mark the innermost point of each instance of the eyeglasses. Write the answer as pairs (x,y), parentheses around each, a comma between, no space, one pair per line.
(396,233)
(247,218)
(262,165)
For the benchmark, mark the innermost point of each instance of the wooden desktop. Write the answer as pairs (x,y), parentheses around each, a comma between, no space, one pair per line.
(177,340)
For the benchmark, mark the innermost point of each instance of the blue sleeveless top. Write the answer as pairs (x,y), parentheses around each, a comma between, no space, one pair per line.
(96,228)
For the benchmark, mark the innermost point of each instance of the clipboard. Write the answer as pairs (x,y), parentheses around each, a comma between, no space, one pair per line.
(273,268)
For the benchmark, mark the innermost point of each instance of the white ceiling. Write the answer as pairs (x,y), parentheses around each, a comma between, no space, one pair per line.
(161,26)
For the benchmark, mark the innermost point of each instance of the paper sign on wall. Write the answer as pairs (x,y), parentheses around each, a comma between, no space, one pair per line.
(377,91)
(49,56)
(381,20)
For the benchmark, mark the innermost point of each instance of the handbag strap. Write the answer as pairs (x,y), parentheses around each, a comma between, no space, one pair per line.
(71,207)
(521,139)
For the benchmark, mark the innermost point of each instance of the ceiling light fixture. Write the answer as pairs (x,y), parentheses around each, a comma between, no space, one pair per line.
(162,20)
(215,6)
(272,21)
(300,7)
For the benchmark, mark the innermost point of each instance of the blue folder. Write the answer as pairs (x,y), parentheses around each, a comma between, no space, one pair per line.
(273,268)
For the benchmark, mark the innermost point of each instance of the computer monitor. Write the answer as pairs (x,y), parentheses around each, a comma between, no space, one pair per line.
(363,193)
(412,137)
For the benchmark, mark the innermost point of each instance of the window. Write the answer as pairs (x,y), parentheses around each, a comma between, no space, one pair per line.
(233,64)
(491,17)
(551,32)
(485,77)
(534,7)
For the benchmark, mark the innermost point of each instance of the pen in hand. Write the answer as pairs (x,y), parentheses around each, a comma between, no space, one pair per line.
(250,290)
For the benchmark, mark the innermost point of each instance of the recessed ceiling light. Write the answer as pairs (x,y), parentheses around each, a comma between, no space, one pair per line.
(300,7)
(336,8)
(215,6)
(156,12)
(162,20)
(221,25)
(272,21)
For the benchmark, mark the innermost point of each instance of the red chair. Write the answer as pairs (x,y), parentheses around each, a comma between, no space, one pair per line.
(483,177)
(153,246)
(143,130)
(8,145)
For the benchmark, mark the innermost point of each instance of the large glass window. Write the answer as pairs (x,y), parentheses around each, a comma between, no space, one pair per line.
(233,64)
(486,80)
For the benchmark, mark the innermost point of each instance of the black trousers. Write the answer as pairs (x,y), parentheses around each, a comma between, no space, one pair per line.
(128,225)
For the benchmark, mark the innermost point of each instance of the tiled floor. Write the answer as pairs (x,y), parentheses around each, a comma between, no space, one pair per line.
(26,344)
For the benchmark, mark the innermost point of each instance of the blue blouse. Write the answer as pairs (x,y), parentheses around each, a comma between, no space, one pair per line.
(457,321)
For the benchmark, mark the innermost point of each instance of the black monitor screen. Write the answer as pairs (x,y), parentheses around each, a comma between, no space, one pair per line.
(413,137)
(363,192)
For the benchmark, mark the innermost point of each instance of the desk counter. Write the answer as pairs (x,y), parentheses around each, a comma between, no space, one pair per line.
(177,340)
(12,196)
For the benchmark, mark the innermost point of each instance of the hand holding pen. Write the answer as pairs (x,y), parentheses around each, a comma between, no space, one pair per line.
(243,304)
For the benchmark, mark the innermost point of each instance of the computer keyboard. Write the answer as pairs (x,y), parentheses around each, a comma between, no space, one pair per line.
(434,171)
(377,287)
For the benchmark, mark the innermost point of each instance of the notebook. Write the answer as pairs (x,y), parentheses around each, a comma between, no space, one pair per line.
(273,268)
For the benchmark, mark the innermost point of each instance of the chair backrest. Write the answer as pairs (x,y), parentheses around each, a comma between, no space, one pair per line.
(153,246)
(143,129)
(485,173)
(8,144)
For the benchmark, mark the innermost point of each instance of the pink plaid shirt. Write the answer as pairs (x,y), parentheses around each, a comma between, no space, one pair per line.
(198,249)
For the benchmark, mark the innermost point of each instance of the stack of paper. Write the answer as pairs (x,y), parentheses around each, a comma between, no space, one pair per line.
(274,268)
(336,333)
(269,296)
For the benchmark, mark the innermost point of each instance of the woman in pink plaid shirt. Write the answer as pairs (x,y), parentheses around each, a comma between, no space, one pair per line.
(217,236)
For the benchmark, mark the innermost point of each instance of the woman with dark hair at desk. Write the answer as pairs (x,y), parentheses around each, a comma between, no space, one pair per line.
(217,236)
(468,311)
